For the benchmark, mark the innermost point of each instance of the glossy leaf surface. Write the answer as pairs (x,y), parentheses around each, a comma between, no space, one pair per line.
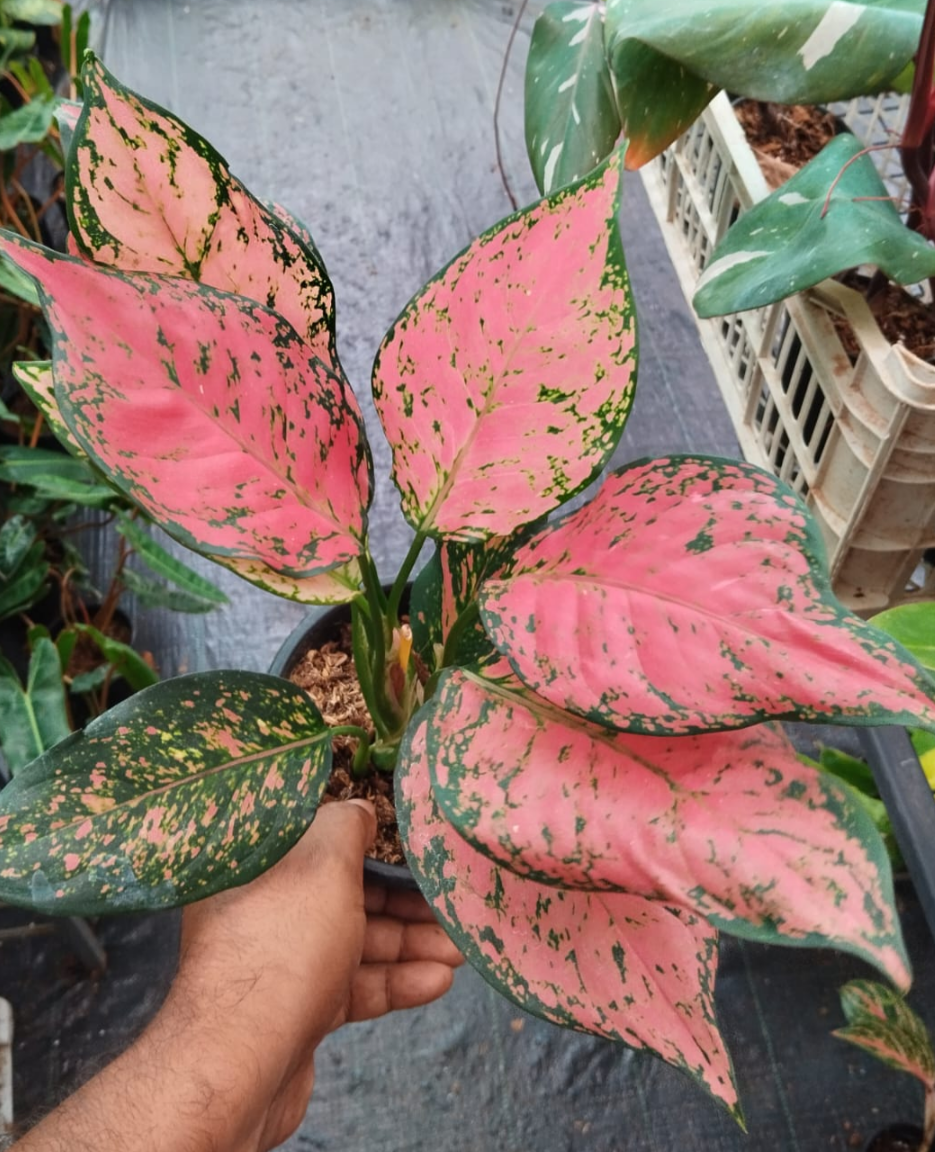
(790,51)
(148,194)
(881,1022)
(618,966)
(206,409)
(691,594)
(192,786)
(571,114)
(913,625)
(729,824)
(33,718)
(832,215)
(505,384)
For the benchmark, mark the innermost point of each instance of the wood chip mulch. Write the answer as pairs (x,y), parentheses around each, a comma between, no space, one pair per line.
(329,677)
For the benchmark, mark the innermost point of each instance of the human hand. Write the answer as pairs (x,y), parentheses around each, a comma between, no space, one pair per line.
(301,950)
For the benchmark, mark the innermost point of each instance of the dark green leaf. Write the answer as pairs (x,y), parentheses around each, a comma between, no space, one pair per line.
(17,536)
(192,786)
(54,475)
(124,659)
(571,114)
(26,585)
(17,283)
(33,719)
(152,594)
(201,593)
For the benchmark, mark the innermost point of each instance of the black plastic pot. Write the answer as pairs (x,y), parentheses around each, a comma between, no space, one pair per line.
(320,625)
(896,1138)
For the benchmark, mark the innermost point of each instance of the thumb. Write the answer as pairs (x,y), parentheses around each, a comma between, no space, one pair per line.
(340,835)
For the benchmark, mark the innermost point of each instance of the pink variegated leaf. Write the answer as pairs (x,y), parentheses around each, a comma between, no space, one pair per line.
(35,378)
(729,824)
(208,411)
(618,966)
(505,384)
(691,594)
(146,193)
(336,586)
(881,1022)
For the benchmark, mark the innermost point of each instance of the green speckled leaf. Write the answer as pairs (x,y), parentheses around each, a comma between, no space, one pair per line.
(33,718)
(190,787)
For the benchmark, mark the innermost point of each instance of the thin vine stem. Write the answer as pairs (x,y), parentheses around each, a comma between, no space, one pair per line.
(496,106)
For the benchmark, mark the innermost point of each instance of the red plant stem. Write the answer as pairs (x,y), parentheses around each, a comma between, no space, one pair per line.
(496,106)
(918,143)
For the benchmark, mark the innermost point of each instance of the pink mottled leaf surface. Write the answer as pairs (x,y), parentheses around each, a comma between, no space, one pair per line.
(35,376)
(729,824)
(618,966)
(148,194)
(208,410)
(881,1022)
(505,384)
(193,785)
(690,594)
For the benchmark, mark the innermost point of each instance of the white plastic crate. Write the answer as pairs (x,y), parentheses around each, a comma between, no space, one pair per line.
(856,440)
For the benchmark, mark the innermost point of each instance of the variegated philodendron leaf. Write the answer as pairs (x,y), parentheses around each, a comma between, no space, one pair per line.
(192,786)
(208,411)
(146,193)
(668,58)
(618,966)
(35,377)
(834,214)
(445,592)
(691,594)
(571,112)
(729,824)
(881,1022)
(505,384)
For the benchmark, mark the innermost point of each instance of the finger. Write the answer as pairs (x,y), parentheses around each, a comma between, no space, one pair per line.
(381,988)
(341,830)
(388,941)
(404,905)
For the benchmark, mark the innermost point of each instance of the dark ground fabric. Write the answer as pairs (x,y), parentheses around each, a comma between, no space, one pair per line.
(372,121)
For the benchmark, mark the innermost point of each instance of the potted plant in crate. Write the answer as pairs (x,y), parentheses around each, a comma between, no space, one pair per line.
(855,439)
(586,792)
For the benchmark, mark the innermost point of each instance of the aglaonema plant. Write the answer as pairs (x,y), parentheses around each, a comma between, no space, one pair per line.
(587,781)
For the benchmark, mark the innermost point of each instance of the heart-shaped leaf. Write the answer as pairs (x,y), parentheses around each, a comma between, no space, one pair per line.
(835,213)
(158,802)
(148,194)
(668,58)
(505,384)
(207,410)
(618,966)
(729,824)
(33,718)
(881,1022)
(690,594)
(571,114)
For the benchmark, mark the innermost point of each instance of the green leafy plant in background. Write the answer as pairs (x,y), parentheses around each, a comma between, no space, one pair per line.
(588,782)
(913,625)
(881,1022)
(647,69)
(43,489)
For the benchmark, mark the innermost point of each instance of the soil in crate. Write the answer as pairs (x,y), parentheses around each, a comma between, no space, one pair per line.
(784,137)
